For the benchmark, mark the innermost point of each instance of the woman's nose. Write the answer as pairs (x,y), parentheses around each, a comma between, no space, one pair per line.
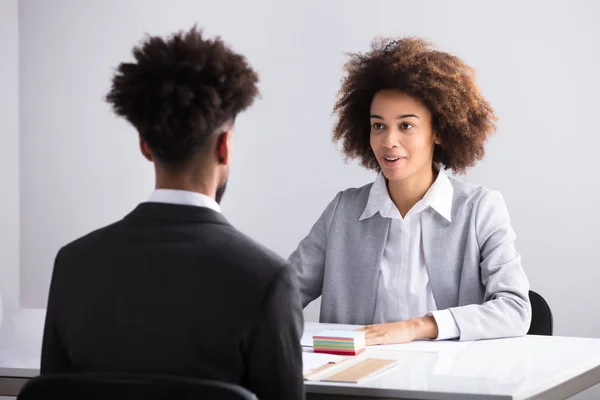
(390,139)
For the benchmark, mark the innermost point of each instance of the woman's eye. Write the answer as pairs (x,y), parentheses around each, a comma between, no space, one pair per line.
(405,126)
(377,126)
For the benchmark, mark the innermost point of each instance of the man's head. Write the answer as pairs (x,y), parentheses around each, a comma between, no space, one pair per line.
(182,94)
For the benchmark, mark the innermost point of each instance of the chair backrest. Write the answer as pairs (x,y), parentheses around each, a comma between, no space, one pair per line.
(541,316)
(125,386)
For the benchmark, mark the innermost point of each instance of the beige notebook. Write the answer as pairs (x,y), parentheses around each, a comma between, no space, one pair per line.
(360,371)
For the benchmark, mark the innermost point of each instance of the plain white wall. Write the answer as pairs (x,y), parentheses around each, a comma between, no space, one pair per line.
(537,63)
(9,157)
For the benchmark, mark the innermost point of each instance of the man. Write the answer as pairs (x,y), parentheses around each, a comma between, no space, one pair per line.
(173,288)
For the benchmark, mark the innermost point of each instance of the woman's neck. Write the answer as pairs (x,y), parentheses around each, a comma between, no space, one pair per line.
(407,192)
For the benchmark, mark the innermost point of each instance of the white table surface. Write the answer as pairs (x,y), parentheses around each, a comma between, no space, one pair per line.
(531,367)
(540,367)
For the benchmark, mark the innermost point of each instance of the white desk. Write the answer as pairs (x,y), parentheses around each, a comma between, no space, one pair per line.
(531,367)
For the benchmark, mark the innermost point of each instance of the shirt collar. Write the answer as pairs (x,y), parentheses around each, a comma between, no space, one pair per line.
(379,201)
(438,197)
(184,197)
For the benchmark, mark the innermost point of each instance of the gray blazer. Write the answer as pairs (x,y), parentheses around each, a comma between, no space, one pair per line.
(473,267)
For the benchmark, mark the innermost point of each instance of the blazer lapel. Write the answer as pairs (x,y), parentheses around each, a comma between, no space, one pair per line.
(438,251)
(373,236)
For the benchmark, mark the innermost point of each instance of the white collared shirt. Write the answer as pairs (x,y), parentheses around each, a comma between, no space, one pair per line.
(403,289)
(184,197)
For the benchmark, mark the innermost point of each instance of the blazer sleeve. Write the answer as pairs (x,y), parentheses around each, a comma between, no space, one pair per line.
(54,358)
(275,359)
(309,258)
(506,310)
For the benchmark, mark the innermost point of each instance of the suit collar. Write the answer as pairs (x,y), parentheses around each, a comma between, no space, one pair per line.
(177,212)
(183,197)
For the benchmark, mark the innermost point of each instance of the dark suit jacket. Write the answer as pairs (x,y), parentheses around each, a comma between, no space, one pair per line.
(175,289)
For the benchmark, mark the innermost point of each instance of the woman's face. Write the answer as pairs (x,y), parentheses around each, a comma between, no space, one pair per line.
(402,137)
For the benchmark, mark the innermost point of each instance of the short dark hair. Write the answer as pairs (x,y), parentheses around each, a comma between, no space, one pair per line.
(180,90)
(461,117)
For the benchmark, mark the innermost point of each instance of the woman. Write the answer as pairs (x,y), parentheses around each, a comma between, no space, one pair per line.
(415,254)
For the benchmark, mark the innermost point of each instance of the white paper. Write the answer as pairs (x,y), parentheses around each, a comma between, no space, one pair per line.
(429,346)
(307,339)
(312,361)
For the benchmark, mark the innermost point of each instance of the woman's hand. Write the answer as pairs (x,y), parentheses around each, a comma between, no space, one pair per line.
(401,332)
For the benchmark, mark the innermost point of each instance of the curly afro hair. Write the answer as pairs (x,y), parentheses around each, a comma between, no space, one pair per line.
(461,117)
(181,90)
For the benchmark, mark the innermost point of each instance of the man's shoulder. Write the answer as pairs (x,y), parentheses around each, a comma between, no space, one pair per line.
(248,251)
(84,244)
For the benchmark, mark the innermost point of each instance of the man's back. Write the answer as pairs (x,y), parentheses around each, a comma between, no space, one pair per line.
(175,289)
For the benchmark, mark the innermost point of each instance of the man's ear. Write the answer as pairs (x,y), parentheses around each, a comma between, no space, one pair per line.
(145,150)
(224,147)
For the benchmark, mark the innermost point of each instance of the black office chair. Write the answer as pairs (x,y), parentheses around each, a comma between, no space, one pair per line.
(541,316)
(130,387)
